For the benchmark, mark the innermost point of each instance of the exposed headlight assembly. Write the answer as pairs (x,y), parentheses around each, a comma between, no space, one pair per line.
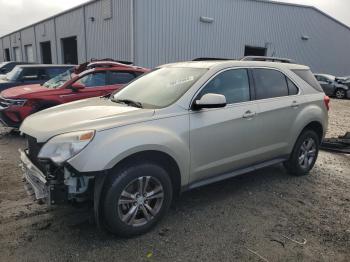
(63,147)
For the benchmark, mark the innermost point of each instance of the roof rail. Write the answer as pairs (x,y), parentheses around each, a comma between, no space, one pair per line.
(111,60)
(267,59)
(210,59)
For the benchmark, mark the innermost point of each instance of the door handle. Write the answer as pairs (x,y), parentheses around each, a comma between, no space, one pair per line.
(249,114)
(295,104)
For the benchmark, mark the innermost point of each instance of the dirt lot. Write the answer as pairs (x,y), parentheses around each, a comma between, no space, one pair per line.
(227,221)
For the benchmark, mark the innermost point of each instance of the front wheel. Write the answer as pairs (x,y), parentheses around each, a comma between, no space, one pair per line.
(136,198)
(304,155)
(340,93)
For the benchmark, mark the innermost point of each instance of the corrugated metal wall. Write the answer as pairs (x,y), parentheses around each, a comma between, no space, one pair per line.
(16,43)
(45,32)
(68,25)
(109,38)
(2,52)
(28,38)
(170,30)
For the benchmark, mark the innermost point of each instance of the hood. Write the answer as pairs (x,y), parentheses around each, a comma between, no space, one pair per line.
(94,113)
(19,91)
(2,77)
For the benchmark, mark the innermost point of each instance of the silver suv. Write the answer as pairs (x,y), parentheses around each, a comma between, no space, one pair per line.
(181,126)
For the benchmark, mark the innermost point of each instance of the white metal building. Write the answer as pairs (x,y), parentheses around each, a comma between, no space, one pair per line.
(152,32)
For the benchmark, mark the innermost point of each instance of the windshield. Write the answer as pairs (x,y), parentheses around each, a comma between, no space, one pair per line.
(59,80)
(14,74)
(161,87)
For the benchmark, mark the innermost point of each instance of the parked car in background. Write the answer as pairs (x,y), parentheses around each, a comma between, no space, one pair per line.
(332,87)
(31,74)
(6,67)
(179,127)
(101,79)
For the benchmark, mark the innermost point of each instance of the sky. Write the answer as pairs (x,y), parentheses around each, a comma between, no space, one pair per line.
(15,14)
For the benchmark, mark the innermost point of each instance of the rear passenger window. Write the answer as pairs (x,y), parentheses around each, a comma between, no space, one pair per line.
(233,84)
(309,78)
(269,83)
(292,88)
(120,77)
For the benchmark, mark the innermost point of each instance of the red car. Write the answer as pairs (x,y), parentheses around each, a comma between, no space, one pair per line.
(100,79)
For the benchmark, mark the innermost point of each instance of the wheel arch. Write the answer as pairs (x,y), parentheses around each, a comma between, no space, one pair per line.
(315,126)
(160,158)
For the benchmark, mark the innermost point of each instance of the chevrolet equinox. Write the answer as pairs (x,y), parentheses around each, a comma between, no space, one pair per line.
(180,126)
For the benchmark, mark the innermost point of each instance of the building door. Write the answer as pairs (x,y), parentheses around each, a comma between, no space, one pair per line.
(17,54)
(70,50)
(29,54)
(254,51)
(7,54)
(46,56)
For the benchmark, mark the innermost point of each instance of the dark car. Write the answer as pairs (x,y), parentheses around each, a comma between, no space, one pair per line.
(31,74)
(7,67)
(332,87)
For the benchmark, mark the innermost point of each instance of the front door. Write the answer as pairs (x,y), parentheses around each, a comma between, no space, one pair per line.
(223,139)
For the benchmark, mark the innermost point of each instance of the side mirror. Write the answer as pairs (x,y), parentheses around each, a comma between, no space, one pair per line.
(77,86)
(210,101)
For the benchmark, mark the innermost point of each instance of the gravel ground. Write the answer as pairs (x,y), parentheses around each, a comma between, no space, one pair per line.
(262,214)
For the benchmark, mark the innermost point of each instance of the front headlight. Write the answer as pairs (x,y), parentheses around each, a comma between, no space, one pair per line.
(63,147)
(15,102)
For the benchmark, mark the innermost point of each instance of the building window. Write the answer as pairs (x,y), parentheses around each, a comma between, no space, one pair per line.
(7,54)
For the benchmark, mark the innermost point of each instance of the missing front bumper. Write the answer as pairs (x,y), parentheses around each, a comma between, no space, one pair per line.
(35,180)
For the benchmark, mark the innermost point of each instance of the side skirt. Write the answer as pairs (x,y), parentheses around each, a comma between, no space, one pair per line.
(217,178)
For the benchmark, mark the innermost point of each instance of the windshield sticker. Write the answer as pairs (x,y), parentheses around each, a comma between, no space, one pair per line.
(181,81)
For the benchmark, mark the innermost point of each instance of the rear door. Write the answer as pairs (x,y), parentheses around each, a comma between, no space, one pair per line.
(279,104)
(223,139)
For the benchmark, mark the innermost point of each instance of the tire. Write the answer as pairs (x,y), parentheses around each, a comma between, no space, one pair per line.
(340,93)
(127,211)
(304,155)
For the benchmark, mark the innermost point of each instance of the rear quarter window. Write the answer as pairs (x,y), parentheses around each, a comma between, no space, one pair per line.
(308,77)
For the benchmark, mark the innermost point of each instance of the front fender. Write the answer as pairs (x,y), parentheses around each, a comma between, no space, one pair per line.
(109,147)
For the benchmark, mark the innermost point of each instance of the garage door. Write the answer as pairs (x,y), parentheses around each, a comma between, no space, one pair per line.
(28,50)
(17,54)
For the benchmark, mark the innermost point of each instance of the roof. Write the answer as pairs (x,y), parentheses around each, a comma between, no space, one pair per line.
(44,65)
(263,1)
(234,63)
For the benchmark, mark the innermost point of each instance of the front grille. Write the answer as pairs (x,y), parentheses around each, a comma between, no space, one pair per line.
(33,151)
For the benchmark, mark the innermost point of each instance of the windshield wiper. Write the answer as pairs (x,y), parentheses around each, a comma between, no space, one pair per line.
(128,102)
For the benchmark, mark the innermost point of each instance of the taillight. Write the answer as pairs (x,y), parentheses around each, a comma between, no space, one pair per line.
(326,102)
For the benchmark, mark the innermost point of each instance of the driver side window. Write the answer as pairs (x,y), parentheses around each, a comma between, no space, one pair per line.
(93,80)
(233,84)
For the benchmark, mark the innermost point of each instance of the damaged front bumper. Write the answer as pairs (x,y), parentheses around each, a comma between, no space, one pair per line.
(58,187)
(36,183)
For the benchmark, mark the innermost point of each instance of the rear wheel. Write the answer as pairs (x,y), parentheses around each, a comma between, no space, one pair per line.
(136,199)
(340,93)
(304,155)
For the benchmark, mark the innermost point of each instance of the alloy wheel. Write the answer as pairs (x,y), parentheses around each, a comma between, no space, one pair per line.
(307,153)
(340,94)
(140,201)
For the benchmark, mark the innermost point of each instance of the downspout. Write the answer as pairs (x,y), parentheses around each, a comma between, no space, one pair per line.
(132,31)
(56,43)
(85,38)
